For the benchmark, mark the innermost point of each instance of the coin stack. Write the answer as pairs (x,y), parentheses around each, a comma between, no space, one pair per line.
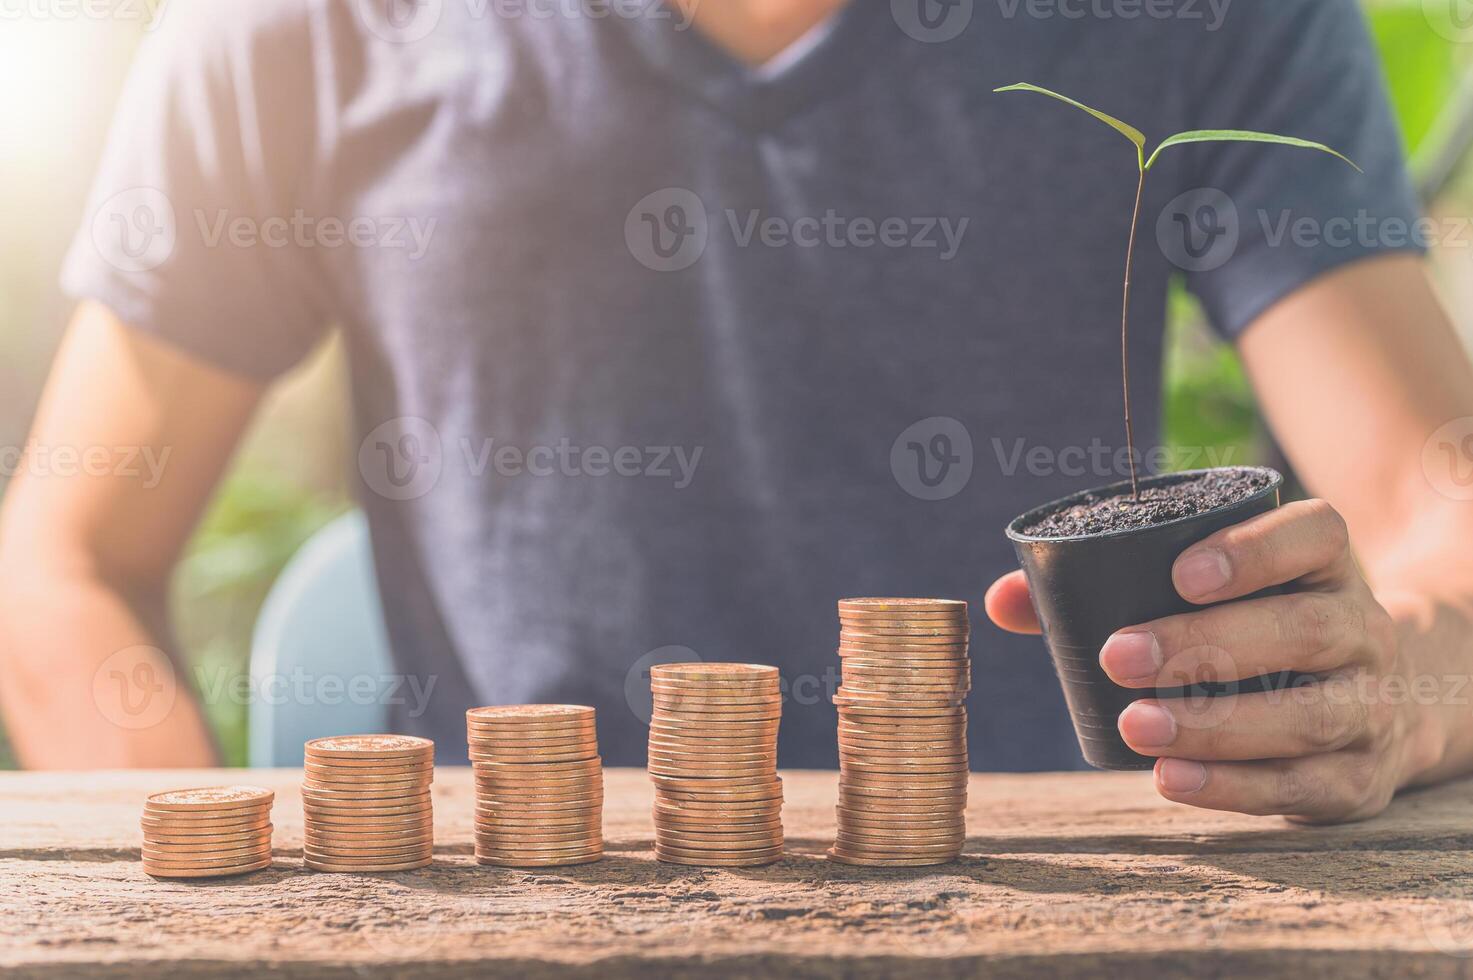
(539,785)
(207,832)
(713,759)
(902,731)
(366,799)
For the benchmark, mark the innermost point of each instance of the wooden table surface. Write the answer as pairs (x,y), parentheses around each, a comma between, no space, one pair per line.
(1062,875)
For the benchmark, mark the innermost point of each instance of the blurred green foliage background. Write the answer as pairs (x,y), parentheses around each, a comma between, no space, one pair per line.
(290,477)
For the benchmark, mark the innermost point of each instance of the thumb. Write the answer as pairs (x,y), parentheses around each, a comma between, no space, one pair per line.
(1008,604)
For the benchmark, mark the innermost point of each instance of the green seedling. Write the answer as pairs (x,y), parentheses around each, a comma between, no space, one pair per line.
(1145,164)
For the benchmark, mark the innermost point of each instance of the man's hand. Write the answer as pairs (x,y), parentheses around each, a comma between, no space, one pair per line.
(1336,746)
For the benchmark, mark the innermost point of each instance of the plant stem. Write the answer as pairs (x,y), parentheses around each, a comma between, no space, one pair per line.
(1135,220)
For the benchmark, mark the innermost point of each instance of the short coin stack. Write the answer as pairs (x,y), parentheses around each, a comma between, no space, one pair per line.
(207,832)
(713,759)
(539,785)
(366,799)
(902,731)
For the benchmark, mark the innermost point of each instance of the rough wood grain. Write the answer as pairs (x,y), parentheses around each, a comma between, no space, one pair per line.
(1063,874)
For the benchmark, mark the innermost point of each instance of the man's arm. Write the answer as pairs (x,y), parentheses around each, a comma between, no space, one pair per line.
(1356,372)
(129,441)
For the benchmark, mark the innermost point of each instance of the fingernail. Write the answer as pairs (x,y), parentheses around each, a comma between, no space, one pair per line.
(1132,657)
(1202,572)
(1180,776)
(1147,726)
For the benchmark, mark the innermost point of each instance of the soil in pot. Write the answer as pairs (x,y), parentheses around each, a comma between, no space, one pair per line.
(1095,513)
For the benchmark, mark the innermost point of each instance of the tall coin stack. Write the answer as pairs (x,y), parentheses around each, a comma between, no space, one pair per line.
(539,785)
(902,731)
(713,759)
(207,832)
(366,799)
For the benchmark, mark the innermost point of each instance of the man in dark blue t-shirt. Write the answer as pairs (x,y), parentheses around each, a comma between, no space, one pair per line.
(669,325)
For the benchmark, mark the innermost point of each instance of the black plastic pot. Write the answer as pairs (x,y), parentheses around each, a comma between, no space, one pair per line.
(1086,588)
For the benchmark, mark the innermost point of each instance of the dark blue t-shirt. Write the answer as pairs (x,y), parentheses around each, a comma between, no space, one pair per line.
(655,357)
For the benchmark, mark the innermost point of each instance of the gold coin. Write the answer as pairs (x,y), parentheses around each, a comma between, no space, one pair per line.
(718,685)
(538,804)
(504,840)
(869,862)
(220,854)
(525,862)
(210,798)
(858,849)
(369,747)
(190,827)
(366,867)
(367,846)
(536,782)
(880,820)
(363,797)
(159,872)
(917,649)
(898,714)
(715,703)
(676,801)
(588,744)
(891,604)
(710,862)
(514,822)
(330,821)
(503,796)
(206,840)
(544,768)
(709,785)
(724,798)
(768,758)
(361,780)
(384,851)
(407,803)
(711,671)
(712,713)
(861,728)
(208,862)
(914,782)
(520,713)
(680,855)
(480,753)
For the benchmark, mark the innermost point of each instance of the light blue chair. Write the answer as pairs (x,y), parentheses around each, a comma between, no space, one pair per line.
(318,643)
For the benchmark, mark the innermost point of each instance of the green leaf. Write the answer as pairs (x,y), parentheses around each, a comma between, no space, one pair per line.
(1243,136)
(1124,129)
